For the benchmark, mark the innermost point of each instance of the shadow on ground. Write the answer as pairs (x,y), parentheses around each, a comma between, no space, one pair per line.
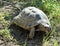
(21,34)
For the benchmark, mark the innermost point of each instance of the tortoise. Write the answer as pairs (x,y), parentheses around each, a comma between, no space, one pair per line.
(31,17)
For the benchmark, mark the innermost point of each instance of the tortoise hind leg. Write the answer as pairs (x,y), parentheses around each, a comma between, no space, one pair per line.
(32,32)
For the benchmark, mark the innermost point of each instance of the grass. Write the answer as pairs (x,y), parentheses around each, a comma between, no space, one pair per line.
(51,8)
(55,43)
(5,32)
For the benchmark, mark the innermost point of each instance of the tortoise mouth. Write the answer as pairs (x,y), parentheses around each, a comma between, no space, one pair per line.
(48,28)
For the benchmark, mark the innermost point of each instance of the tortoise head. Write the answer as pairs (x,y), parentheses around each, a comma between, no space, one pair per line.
(45,25)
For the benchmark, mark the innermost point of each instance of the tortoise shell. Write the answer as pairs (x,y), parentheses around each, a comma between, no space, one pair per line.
(30,17)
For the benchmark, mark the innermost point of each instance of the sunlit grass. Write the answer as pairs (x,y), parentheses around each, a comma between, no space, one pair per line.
(51,9)
(5,32)
(55,43)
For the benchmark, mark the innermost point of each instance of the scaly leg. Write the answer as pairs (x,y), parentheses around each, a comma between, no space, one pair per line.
(32,32)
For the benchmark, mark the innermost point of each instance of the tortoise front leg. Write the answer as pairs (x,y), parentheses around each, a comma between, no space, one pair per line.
(32,32)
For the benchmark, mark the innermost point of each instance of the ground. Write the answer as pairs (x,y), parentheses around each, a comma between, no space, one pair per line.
(13,35)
